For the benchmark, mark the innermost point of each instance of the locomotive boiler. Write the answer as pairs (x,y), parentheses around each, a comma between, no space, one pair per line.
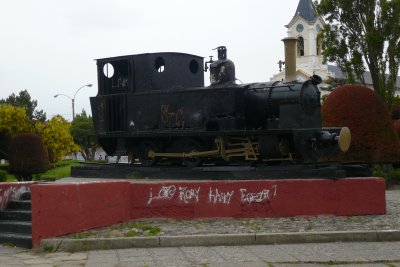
(155,107)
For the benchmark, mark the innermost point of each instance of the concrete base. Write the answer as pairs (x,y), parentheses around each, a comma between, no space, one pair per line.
(75,245)
(59,209)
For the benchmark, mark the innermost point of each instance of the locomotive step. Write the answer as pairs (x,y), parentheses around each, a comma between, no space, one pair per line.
(21,227)
(16,215)
(19,205)
(19,240)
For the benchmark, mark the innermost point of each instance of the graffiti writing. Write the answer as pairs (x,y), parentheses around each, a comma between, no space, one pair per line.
(166,192)
(172,119)
(186,195)
(14,192)
(258,197)
(215,196)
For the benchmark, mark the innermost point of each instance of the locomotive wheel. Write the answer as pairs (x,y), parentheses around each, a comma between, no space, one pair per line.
(191,145)
(144,148)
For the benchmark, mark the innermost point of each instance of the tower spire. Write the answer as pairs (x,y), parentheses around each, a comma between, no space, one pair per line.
(306,10)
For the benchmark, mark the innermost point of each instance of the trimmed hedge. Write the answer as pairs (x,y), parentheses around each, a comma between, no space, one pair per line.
(27,156)
(395,112)
(3,176)
(374,139)
(4,144)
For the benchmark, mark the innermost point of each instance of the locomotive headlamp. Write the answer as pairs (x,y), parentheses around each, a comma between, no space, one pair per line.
(344,139)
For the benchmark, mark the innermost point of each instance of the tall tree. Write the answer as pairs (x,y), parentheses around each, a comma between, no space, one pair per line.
(13,120)
(23,99)
(56,136)
(83,132)
(364,32)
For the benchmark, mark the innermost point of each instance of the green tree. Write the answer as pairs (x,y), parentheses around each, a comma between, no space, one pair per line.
(24,100)
(14,120)
(82,131)
(364,32)
(56,136)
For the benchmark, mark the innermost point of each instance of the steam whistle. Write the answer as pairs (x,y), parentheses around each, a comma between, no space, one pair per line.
(281,64)
(206,67)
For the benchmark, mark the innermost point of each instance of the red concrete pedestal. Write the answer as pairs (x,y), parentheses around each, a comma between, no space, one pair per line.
(59,209)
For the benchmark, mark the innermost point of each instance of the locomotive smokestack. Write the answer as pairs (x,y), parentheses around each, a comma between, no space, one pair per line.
(290,58)
(221,53)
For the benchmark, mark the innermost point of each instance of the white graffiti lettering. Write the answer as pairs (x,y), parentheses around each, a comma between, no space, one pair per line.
(258,197)
(214,196)
(185,194)
(12,193)
(166,193)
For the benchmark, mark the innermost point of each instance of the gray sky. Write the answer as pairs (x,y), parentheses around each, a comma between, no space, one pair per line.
(48,47)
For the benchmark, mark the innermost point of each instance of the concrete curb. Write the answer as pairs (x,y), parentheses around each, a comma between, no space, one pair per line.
(73,245)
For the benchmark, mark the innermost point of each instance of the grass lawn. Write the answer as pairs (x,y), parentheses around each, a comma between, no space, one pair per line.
(60,170)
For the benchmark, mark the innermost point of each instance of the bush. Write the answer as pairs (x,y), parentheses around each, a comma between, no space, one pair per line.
(27,156)
(391,178)
(396,125)
(374,139)
(3,176)
(396,112)
(4,144)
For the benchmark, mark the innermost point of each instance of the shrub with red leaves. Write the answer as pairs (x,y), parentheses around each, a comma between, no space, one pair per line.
(395,112)
(4,143)
(396,124)
(27,156)
(374,139)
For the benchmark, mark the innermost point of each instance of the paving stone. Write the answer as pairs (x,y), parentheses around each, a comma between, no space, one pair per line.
(202,255)
(339,252)
(70,257)
(133,252)
(237,254)
(271,253)
(5,262)
(364,265)
(102,264)
(38,261)
(70,263)
(309,253)
(300,265)
(240,264)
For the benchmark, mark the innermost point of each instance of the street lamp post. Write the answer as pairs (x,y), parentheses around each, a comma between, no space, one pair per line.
(73,98)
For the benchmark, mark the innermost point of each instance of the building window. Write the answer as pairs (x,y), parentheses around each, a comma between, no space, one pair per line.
(300,46)
(318,46)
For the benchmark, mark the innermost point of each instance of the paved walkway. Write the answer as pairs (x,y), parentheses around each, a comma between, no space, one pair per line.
(322,254)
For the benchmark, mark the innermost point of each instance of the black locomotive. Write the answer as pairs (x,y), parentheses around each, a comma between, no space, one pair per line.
(155,107)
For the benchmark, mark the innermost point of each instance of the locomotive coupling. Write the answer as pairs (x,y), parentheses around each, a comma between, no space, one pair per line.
(341,139)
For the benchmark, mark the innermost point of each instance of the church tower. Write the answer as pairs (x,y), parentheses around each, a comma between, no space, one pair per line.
(304,26)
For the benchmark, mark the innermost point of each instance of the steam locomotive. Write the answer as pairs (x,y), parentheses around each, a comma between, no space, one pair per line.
(155,107)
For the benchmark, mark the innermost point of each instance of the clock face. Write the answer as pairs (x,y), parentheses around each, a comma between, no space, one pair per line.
(299,27)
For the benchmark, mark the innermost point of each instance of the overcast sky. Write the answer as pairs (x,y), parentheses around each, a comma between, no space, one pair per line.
(48,47)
